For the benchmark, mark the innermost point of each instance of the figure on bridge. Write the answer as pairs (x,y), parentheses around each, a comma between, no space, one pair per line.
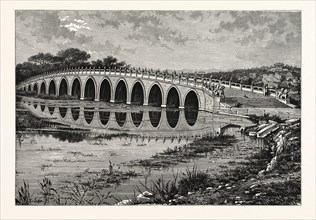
(217,90)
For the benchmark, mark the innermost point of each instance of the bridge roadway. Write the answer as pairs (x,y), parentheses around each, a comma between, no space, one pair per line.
(127,86)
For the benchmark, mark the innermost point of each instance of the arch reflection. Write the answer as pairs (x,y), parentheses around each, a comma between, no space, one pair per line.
(173,117)
(88,114)
(191,116)
(51,109)
(104,117)
(62,111)
(120,118)
(154,117)
(137,118)
(75,113)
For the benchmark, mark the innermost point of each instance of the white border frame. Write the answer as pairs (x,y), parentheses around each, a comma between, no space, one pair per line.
(10,211)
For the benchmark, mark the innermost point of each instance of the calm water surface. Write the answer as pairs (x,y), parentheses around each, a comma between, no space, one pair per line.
(113,134)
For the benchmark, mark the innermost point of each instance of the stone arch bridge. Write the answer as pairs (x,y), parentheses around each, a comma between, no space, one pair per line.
(127,86)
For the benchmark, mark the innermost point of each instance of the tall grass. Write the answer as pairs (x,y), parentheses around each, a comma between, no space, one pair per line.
(193,180)
(24,196)
(76,193)
(162,190)
(47,191)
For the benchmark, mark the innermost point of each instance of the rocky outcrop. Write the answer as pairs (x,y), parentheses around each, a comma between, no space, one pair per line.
(280,143)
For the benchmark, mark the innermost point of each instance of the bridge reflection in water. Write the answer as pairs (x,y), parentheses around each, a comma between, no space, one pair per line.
(144,122)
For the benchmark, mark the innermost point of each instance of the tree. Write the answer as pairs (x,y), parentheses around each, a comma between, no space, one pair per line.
(44,58)
(109,61)
(97,63)
(73,56)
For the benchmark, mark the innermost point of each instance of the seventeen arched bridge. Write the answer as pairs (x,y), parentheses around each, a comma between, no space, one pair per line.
(135,86)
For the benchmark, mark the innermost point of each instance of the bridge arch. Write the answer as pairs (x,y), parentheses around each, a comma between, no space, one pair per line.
(43,88)
(137,93)
(105,90)
(121,91)
(192,99)
(173,97)
(63,86)
(75,87)
(35,88)
(52,90)
(90,89)
(155,95)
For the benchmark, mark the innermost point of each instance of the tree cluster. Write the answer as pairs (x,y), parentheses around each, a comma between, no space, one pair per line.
(255,75)
(69,58)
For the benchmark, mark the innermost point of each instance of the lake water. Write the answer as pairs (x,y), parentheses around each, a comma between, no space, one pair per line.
(113,134)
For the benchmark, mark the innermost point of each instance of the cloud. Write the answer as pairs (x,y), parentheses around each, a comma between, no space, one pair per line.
(83,39)
(106,47)
(146,26)
(45,25)
(136,18)
(76,27)
(253,37)
(205,38)
(79,21)
(64,18)
(158,36)
(23,40)
(242,21)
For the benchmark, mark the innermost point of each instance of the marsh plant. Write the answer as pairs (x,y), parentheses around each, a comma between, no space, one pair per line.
(47,191)
(162,190)
(193,180)
(24,197)
(74,193)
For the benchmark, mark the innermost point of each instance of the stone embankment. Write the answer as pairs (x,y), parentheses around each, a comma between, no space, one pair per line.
(270,177)
(281,141)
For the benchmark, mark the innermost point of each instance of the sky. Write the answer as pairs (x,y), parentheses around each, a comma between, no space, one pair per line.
(165,39)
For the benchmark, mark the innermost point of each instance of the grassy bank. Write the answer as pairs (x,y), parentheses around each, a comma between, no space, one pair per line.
(271,176)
